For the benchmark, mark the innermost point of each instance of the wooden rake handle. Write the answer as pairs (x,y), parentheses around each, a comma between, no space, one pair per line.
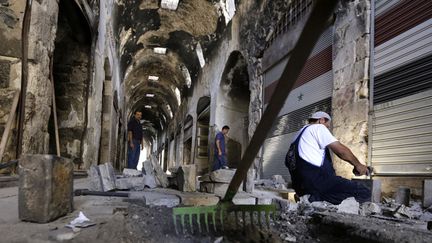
(317,22)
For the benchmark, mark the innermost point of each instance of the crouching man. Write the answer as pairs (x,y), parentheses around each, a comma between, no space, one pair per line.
(313,172)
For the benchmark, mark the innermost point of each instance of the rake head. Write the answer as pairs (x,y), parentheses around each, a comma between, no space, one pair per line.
(242,213)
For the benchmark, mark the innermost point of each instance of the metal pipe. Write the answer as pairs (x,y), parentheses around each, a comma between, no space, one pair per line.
(371,80)
(85,192)
(24,73)
(317,22)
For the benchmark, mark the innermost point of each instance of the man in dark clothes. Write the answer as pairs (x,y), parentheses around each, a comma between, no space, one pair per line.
(314,173)
(135,140)
(220,154)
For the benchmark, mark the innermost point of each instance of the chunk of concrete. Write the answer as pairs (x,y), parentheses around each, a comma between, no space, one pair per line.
(131,172)
(349,205)
(159,173)
(374,186)
(153,198)
(45,188)
(149,181)
(222,175)
(370,208)
(186,178)
(130,183)
(244,199)
(108,177)
(95,181)
(192,198)
(427,193)
(278,179)
(214,187)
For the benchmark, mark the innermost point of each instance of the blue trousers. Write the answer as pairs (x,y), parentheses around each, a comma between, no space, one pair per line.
(219,162)
(133,154)
(323,185)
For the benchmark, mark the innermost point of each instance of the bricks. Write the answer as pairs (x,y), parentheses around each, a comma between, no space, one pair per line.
(45,188)
(427,193)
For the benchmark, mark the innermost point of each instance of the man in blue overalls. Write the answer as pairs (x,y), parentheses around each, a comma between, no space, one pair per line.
(220,153)
(314,173)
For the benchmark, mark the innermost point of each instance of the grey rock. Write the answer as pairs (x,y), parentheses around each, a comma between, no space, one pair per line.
(52,178)
(130,183)
(370,208)
(95,181)
(186,178)
(131,172)
(349,205)
(108,177)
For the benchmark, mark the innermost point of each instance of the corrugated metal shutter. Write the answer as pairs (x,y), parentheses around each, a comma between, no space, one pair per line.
(402,135)
(279,139)
(311,93)
(401,141)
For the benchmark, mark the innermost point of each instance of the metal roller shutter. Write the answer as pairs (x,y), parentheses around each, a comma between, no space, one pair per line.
(401,141)
(311,92)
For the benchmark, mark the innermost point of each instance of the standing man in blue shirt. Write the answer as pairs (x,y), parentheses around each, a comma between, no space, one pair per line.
(220,153)
(135,140)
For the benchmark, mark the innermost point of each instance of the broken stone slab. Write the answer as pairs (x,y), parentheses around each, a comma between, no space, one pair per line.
(222,175)
(130,183)
(186,178)
(370,208)
(131,172)
(108,177)
(278,179)
(192,198)
(149,181)
(147,168)
(45,189)
(214,187)
(153,198)
(161,177)
(349,206)
(374,186)
(264,200)
(244,199)
(95,181)
(427,193)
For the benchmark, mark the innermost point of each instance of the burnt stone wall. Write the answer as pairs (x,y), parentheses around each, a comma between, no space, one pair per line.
(71,75)
(11,14)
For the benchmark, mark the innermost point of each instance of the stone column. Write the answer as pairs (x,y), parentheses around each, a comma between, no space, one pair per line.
(350,103)
(43,28)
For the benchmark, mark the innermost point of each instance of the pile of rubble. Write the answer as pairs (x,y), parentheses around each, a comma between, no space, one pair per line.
(103,178)
(374,221)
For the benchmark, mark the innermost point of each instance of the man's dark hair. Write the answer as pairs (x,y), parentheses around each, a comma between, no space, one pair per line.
(225,127)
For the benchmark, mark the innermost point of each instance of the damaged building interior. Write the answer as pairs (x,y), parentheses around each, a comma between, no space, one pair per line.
(74,74)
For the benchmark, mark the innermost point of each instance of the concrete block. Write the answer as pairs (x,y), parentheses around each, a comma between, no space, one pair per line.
(403,196)
(130,183)
(264,201)
(95,181)
(149,181)
(161,177)
(374,186)
(427,193)
(153,198)
(222,175)
(244,199)
(131,172)
(45,188)
(186,178)
(349,206)
(214,187)
(108,177)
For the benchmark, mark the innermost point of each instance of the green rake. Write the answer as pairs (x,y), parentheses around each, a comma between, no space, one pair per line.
(220,211)
(319,19)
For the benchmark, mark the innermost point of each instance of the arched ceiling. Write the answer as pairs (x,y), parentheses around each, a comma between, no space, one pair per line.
(144,25)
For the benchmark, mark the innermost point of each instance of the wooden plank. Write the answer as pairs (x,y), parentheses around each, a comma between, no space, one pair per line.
(9,123)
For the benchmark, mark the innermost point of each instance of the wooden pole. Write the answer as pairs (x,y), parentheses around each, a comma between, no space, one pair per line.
(9,123)
(54,107)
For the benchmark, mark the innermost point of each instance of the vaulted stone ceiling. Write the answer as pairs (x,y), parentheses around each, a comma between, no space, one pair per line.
(145,25)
